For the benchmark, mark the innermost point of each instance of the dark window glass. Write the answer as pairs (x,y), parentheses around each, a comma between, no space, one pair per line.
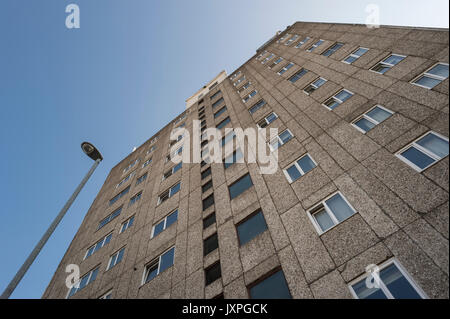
(251,227)
(203,163)
(212,273)
(210,220)
(220,112)
(206,173)
(207,186)
(240,186)
(257,106)
(116,198)
(203,143)
(210,244)
(223,123)
(273,287)
(217,103)
(208,201)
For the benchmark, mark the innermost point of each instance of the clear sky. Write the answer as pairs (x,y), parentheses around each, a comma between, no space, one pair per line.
(115,82)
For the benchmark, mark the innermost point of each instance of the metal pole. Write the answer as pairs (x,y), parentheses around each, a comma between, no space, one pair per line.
(19,275)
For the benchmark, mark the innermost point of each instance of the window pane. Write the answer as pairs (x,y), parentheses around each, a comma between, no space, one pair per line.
(339,207)
(379,114)
(285,136)
(174,189)
(208,221)
(208,201)
(274,287)
(272,117)
(427,82)
(210,244)
(435,144)
(343,95)
(364,124)
(306,163)
(212,273)
(240,186)
(360,51)
(172,218)
(294,173)
(397,284)
(177,167)
(167,260)
(363,292)
(381,68)
(252,227)
(324,220)
(394,59)
(152,271)
(158,228)
(440,70)
(350,59)
(417,157)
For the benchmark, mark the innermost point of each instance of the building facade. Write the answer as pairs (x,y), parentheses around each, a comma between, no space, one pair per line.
(361,185)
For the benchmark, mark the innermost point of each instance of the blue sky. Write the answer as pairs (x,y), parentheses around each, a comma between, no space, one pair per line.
(115,82)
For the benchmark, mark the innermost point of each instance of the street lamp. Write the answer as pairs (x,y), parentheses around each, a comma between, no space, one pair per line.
(95,155)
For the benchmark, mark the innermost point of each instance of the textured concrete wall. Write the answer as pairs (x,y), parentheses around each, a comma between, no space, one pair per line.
(401,213)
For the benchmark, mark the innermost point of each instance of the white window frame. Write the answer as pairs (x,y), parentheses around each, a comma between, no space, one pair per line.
(279,59)
(240,80)
(98,241)
(285,171)
(292,39)
(315,45)
(336,99)
(280,140)
(329,212)
(435,157)
(169,190)
(151,149)
(354,55)
(302,42)
(165,222)
(259,107)
(125,224)
(81,278)
(235,75)
(285,68)
(130,166)
(124,180)
(147,162)
(106,294)
(116,254)
(244,87)
(249,96)
(429,75)
(171,171)
(283,38)
(259,57)
(314,86)
(265,119)
(159,264)
(390,65)
(330,48)
(268,58)
(383,287)
(368,118)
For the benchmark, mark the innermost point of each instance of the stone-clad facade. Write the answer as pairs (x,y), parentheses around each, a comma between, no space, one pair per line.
(401,213)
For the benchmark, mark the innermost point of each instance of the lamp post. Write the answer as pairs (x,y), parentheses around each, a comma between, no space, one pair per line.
(95,155)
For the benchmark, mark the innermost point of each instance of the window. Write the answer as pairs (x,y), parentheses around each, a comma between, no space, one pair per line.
(292,39)
(257,106)
(273,286)
(240,186)
(220,112)
(239,81)
(298,75)
(248,97)
(148,162)
(229,137)
(154,140)
(126,224)
(209,220)
(284,37)
(251,227)
(285,68)
(205,152)
(244,87)
(425,151)
(200,99)
(158,265)
(314,85)
(371,118)
(259,57)
(337,99)
(135,198)
(299,168)
(395,283)
(180,119)
(130,166)
(206,173)
(126,179)
(109,218)
(115,258)
(212,273)
(355,55)
(302,42)
(215,95)
(267,120)
(84,281)
(276,62)
(141,179)
(208,202)
(213,86)
(223,123)
(268,58)
(233,158)
(433,76)
(385,65)
(172,171)
(330,212)
(314,46)
(217,103)
(279,140)
(108,295)
(333,49)
(210,244)
(178,151)
(235,75)
(102,242)
(165,223)
(118,196)
(169,193)
(207,186)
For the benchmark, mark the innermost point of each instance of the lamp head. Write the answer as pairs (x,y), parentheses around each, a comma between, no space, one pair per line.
(91,151)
